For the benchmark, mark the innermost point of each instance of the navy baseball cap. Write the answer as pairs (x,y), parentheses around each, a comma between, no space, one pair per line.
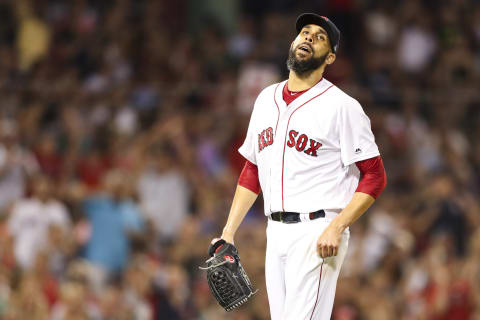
(327,24)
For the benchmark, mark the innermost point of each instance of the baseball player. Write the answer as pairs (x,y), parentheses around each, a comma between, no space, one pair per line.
(310,150)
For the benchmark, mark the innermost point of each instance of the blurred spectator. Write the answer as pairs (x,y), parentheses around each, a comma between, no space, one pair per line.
(32,218)
(33,37)
(16,164)
(163,193)
(27,301)
(417,46)
(243,43)
(138,289)
(113,217)
(48,157)
(111,305)
(73,303)
(92,168)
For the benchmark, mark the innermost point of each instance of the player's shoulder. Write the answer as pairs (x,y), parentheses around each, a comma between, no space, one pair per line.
(343,99)
(338,94)
(271,90)
(267,96)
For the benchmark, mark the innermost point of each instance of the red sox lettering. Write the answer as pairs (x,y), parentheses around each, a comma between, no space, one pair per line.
(265,139)
(300,143)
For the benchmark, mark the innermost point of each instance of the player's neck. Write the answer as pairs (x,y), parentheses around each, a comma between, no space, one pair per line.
(304,82)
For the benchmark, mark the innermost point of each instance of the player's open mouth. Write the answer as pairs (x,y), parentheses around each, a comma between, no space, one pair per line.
(305,48)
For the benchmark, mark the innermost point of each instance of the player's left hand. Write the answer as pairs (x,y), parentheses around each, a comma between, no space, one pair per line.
(328,242)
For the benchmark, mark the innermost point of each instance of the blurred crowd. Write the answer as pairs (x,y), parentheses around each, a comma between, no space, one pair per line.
(119,127)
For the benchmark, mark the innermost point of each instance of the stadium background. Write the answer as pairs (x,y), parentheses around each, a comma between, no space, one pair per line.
(119,124)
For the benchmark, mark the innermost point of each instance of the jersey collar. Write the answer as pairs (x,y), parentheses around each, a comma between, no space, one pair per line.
(309,94)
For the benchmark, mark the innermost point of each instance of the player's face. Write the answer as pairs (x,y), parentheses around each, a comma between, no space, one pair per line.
(310,50)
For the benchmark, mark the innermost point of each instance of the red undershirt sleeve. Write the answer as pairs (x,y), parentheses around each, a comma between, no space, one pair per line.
(373,178)
(249,177)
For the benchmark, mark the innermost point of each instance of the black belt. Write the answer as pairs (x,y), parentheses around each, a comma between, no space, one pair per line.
(294,217)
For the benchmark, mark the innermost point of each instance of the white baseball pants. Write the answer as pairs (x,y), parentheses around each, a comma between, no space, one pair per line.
(300,284)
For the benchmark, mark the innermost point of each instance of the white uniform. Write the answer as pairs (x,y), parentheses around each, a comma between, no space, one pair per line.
(305,154)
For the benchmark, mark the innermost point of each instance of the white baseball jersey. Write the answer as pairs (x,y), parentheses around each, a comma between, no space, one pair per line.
(304,151)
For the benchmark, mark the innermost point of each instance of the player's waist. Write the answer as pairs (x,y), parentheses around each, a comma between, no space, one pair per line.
(295,217)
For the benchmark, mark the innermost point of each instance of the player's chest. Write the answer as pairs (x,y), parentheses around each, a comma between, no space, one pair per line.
(308,128)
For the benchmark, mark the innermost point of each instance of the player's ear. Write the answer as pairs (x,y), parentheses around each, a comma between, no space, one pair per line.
(330,58)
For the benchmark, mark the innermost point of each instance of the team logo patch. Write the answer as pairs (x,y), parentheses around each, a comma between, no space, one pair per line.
(230,259)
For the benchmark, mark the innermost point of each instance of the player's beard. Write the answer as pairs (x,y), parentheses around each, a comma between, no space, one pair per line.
(305,66)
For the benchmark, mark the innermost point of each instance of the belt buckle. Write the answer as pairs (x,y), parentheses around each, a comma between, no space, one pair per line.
(286,221)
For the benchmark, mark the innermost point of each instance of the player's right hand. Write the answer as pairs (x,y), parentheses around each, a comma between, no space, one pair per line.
(328,243)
